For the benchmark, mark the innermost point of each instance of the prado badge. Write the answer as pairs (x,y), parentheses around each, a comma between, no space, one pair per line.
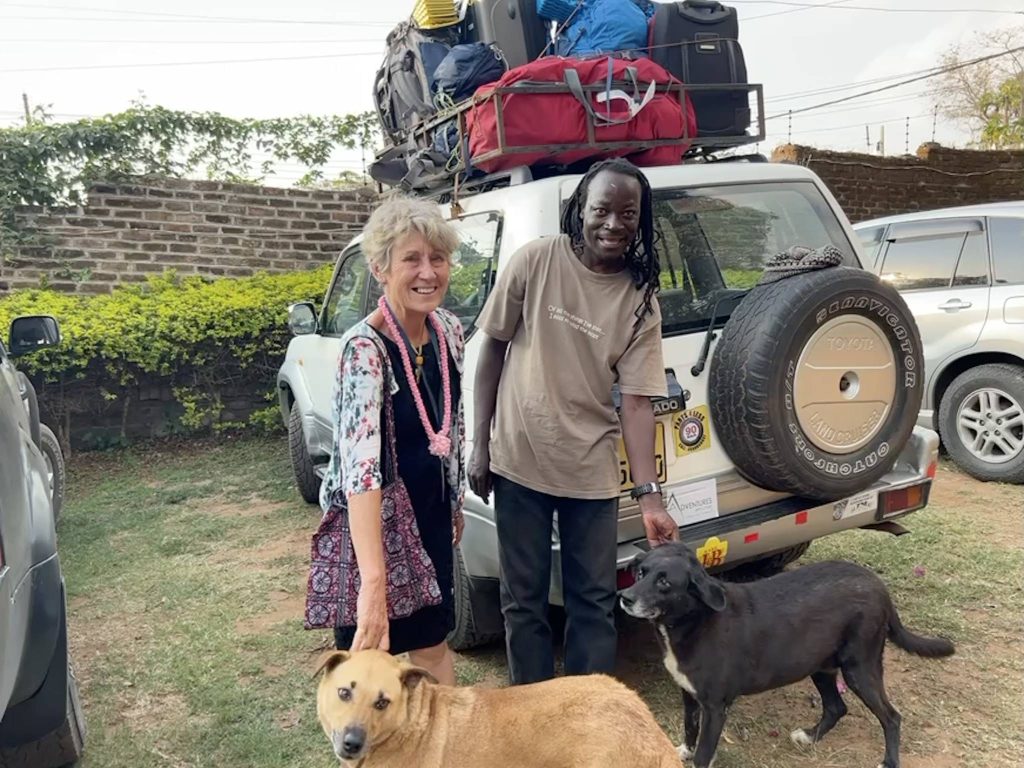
(691,430)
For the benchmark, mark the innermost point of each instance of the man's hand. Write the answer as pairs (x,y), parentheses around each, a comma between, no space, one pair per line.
(658,524)
(479,471)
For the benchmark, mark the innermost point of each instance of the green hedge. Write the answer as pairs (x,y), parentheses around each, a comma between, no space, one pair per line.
(198,337)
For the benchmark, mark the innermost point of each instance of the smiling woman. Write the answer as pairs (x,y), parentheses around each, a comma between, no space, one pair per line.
(383,572)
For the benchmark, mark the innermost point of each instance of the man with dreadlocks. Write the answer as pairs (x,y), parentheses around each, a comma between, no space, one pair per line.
(569,317)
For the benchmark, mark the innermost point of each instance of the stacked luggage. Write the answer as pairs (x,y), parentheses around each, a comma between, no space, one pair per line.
(463,83)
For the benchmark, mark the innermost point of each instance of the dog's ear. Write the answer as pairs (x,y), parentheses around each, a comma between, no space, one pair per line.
(635,563)
(412,676)
(329,660)
(708,590)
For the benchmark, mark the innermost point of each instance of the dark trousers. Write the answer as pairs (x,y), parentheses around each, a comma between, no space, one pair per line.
(588,533)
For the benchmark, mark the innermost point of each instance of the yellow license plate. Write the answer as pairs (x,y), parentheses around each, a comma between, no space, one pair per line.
(626,477)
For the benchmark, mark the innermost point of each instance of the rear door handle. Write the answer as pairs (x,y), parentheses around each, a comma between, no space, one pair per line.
(955,304)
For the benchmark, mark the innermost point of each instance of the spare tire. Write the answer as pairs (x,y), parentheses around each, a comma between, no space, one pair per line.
(816,383)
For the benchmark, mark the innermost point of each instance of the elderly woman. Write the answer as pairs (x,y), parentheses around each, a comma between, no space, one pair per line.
(399,374)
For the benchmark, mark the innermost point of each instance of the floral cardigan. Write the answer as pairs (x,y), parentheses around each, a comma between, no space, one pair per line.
(363,367)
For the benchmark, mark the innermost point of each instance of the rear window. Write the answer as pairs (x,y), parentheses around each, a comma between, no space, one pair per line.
(714,243)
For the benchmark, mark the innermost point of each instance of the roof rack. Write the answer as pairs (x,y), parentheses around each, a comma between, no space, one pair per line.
(451,179)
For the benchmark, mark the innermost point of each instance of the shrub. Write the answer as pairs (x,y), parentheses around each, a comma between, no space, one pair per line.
(197,338)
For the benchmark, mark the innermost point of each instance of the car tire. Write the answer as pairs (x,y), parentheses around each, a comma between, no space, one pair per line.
(55,468)
(1001,387)
(63,747)
(767,566)
(306,478)
(465,635)
(816,383)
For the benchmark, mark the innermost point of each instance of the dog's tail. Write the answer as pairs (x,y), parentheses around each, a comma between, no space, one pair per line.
(929,647)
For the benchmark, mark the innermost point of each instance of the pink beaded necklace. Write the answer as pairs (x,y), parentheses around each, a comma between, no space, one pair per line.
(440,444)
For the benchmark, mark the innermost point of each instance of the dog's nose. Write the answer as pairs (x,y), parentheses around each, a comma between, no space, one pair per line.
(625,600)
(353,740)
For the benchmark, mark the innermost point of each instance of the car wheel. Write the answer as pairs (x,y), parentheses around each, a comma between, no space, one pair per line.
(767,566)
(465,635)
(306,478)
(816,383)
(981,422)
(56,474)
(63,747)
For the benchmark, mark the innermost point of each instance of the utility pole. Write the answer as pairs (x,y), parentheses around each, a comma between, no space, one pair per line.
(28,112)
(789,136)
(935,119)
(867,136)
(881,140)
(906,149)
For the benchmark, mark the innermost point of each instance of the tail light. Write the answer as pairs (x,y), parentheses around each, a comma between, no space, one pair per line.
(902,500)
(624,578)
(933,468)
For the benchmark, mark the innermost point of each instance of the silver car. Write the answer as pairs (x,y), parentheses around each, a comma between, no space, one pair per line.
(961,271)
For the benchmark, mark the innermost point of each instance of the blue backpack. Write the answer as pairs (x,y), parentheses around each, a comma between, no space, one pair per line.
(605,26)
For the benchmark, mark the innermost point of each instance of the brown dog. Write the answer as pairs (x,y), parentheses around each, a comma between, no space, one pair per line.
(379,712)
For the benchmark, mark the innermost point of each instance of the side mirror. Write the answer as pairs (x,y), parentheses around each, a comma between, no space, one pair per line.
(32,332)
(302,318)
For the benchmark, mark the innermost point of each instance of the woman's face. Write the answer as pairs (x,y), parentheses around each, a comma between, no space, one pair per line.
(417,277)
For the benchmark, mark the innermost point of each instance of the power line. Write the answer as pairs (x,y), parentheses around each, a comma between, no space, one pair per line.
(189,17)
(124,41)
(78,67)
(849,86)
(811,6)
(941,71)
(794,10)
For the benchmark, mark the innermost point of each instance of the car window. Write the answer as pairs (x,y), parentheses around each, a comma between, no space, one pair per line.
(715,239)
(972,269)
(344,307)
(922,262)
(1007,250)
(473,270)
(871,241)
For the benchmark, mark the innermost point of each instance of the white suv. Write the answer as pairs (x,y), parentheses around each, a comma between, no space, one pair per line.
(961,271)
(791,407)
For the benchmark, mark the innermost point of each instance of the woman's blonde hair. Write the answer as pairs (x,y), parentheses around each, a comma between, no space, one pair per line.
(399,217)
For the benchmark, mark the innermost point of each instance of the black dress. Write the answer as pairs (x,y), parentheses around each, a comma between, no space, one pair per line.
(427,483)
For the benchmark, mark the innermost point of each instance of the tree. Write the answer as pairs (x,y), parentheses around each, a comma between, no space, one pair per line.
(987,97)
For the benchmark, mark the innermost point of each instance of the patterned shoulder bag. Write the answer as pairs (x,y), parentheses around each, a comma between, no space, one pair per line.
(411,580)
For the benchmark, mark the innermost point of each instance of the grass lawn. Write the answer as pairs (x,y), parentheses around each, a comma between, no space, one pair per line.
(186,572)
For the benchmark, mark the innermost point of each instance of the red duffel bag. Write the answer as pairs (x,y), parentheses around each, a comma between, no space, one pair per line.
(627,103)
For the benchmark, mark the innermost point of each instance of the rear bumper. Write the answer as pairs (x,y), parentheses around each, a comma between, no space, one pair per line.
(754,533)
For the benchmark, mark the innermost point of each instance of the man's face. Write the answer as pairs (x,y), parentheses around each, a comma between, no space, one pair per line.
(611,216)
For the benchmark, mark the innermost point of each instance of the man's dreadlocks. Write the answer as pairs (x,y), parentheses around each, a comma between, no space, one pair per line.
(641,258)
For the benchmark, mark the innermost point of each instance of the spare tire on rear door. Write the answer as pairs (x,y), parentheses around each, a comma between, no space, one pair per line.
(816,382)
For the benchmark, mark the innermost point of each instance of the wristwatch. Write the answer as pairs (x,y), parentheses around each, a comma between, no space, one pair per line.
(643,490)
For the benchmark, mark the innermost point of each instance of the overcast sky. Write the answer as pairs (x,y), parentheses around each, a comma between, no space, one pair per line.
(91,57)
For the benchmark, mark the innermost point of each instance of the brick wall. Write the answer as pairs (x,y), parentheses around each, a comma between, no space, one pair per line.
(868,186)
(127,232)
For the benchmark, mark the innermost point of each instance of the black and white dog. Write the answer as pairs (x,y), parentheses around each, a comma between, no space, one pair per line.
(722,641)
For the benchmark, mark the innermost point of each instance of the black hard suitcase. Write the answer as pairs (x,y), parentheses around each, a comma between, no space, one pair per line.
(512,25)
(698,42)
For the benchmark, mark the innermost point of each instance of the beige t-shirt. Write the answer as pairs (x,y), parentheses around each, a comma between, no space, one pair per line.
(572,337)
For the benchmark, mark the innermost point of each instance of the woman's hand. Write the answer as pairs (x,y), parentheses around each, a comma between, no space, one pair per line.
(457,528)
(479,470)
(371,618)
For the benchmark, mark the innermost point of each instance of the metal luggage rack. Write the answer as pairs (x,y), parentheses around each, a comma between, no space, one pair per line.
(422,134)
